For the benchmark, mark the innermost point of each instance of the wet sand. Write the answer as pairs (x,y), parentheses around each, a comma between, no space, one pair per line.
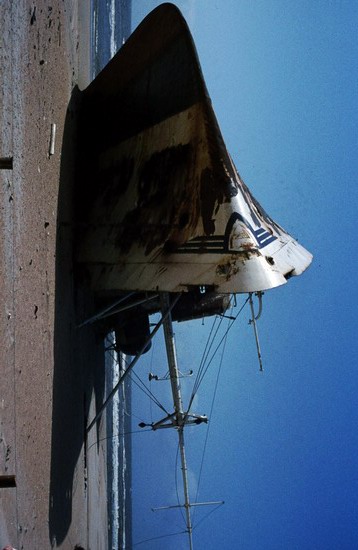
(51,371)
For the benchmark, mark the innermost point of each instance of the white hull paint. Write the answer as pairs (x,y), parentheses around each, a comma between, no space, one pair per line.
(168,210)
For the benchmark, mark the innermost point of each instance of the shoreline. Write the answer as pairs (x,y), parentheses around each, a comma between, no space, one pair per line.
(51,372)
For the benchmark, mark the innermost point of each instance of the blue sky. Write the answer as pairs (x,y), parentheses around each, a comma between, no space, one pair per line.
(283,444)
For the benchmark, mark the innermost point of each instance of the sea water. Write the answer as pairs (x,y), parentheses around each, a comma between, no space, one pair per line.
(110,27)
(118,450)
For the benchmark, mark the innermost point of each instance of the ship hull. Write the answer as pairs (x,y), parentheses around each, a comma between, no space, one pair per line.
(160,203)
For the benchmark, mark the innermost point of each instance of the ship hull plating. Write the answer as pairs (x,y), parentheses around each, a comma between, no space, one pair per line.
(160,203)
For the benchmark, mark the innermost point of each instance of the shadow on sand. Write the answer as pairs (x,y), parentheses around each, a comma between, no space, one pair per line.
(78,359)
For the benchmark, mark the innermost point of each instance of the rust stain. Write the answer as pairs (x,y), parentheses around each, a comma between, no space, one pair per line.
(248,247)
(225,181)
(165,211)
(227,270)
(117,177)
(230,266)
(209,197)
(217,183)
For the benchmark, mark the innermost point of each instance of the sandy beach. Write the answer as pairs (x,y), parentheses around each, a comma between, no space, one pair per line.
(51,371)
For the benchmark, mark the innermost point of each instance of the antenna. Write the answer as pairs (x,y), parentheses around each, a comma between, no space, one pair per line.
(166,377)
(253,320)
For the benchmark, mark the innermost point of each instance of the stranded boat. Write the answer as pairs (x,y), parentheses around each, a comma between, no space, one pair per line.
(165,221)
(162,204)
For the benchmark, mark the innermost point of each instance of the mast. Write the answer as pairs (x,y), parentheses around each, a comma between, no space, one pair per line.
(179,418)
(178,406)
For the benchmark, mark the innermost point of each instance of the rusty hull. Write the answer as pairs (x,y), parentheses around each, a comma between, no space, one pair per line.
(160,204)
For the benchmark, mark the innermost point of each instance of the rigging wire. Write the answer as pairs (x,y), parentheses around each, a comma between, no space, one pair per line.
(201,375)
(156,538)
(205,355)
(204,371)
(223,339)
(140,384)
(207,515)
(203,368)
(119,434)
(176,484)
(210,416)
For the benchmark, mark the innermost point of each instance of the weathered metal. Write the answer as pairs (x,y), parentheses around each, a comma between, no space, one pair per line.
(161,205)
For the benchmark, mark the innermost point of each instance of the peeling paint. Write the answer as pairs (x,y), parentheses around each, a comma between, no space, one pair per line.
(160,203)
